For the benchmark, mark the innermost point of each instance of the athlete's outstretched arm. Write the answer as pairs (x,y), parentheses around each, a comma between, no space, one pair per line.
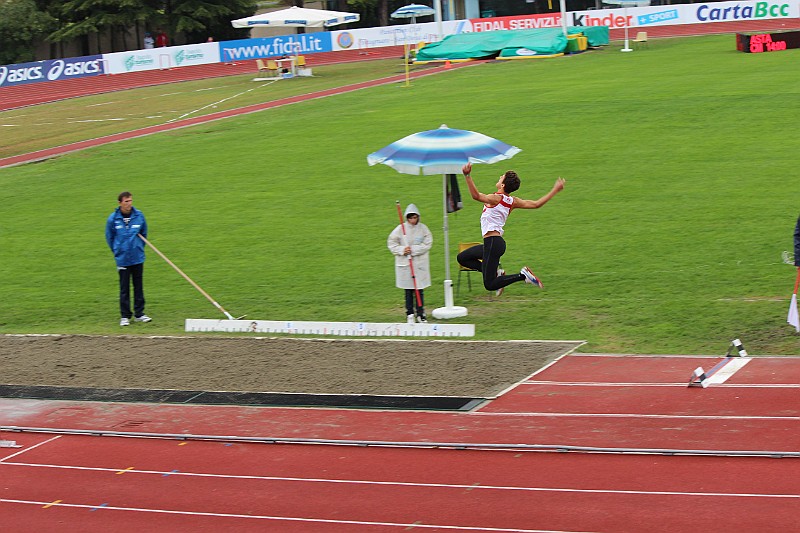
(536,204)
(490,199)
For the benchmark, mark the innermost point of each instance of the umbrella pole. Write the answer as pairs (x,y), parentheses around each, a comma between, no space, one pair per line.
(446,234)
(449,310)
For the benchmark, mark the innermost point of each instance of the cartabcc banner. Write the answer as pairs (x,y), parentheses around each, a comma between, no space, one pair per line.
(50,70)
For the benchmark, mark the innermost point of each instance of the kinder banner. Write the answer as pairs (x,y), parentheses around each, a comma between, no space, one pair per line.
(301,43)
(162,58)
(645,16)
(50,70)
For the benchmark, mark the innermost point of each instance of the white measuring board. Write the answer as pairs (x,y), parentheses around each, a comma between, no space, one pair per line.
(345,329)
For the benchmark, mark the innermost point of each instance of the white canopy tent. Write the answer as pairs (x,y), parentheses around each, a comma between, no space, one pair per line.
(297,17)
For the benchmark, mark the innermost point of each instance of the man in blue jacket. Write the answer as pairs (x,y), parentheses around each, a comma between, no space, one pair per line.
(123,228)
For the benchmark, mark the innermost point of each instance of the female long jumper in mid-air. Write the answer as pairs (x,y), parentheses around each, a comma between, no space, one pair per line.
(497,206)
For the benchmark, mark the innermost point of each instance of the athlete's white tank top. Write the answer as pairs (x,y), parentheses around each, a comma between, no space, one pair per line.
(494,218)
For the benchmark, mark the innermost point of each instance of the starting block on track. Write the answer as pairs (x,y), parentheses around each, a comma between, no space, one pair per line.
(723,370)
(345,329)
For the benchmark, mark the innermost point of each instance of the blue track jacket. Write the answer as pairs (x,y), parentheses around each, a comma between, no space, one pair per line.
(123,240)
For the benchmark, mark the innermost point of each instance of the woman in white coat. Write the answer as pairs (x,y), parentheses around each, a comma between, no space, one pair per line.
(414,245)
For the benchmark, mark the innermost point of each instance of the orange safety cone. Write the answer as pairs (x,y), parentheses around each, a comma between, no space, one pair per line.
(447,64)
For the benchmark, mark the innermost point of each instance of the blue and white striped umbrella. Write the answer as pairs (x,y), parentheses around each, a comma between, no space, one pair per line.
(441,151)
(412,11)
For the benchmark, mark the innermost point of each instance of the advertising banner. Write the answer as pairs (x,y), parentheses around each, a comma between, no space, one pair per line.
(398,35)
(645,16)
(159,58)
(301,43)
(50,70)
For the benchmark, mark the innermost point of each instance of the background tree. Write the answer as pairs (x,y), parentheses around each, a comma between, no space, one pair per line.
(197,20)
(22,24)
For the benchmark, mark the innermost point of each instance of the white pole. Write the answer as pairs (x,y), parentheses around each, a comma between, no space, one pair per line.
(446,229)
(563,4)
(627,48)
(437,16)
(449,310)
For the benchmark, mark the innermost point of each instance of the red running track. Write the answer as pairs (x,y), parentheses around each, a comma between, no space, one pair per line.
(106,483)
(589,411)
(117,483)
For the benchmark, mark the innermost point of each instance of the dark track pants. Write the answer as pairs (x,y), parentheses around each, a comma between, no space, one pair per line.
(127,274)
(485,258)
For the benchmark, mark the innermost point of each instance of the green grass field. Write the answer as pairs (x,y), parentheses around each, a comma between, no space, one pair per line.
(680,197)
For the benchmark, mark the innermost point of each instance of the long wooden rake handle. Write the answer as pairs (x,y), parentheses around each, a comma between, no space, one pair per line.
(179,271)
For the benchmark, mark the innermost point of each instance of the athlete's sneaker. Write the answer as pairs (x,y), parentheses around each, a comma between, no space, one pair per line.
(500,272)
(422,319)
(530,277)
(143,318)
(410,319)
(124,321)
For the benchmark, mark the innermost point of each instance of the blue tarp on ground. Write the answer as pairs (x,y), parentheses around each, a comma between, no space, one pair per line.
(483,45)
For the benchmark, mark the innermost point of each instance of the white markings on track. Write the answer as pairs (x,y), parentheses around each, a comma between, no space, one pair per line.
(29,448)
(415,525)
(635,415)
(412,484)
(642,384)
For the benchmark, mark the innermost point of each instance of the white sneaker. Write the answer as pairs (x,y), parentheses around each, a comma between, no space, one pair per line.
(410,319)
(530,277)
(143,318)
(422,319)
(124,321)
(500,272)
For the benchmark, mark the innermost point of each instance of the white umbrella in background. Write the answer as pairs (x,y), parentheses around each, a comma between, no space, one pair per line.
(412,11)
(442,151)
(297,17)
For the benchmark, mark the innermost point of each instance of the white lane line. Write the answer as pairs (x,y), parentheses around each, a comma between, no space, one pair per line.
(661,384)
(29,448)
(415,525)
(636,415)
(413,484)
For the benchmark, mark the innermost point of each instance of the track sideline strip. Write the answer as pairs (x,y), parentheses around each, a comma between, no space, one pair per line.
(405,444)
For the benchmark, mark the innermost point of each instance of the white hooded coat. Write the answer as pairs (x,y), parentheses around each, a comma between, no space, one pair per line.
(420,239)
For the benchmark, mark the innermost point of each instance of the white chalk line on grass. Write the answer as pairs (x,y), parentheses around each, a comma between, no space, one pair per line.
(408,483)
(215,104)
